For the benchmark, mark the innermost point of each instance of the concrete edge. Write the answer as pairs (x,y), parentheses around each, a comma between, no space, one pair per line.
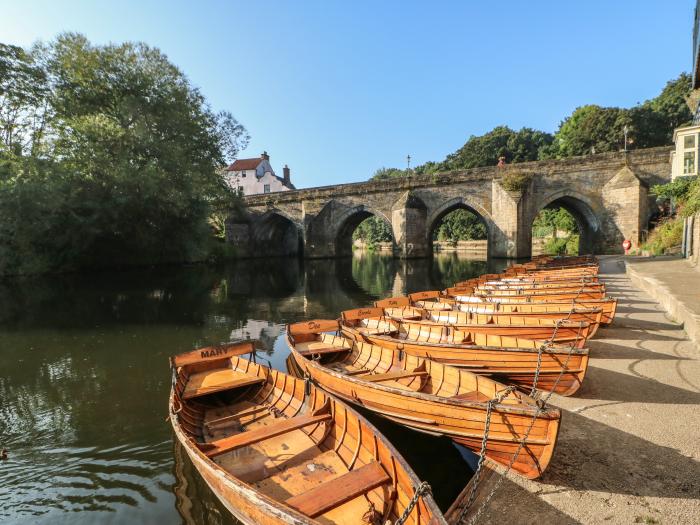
(675,308)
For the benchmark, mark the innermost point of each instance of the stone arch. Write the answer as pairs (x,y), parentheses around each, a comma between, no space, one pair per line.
(451,205)
(275,233)
(583,210)
(348,220)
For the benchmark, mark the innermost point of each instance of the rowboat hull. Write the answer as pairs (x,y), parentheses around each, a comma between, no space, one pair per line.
(461,420)
(277,451)
(499,361)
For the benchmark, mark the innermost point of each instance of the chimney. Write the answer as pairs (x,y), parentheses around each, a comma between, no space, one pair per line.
(265,156)
(285,173)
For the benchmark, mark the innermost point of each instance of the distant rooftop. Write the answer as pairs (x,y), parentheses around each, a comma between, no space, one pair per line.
(245,164)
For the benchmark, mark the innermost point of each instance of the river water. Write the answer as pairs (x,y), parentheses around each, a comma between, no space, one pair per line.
(84,377)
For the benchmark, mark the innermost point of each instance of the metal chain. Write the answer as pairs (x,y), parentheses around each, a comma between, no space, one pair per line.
(423,488)
(538,411)
(499,397)
(540,408)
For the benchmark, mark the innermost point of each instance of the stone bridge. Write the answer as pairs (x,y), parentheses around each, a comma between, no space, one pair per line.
(608,194)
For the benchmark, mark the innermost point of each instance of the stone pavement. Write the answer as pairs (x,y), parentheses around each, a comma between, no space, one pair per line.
(674,284)
(629,444)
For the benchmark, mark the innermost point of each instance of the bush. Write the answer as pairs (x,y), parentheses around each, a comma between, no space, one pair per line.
(516,181)
(562,246)
(666,235)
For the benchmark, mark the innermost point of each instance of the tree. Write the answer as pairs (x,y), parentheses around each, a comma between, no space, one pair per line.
(460,225)
(129,170)
(372,230)
(390,173)
(485,150)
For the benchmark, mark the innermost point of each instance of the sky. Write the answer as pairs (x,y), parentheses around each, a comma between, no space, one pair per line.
(338,89)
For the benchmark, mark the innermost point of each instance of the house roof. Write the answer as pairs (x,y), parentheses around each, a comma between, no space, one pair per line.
(245,164)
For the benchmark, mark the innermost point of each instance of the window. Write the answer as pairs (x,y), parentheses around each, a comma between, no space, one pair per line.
(243,174)
(689,141)
(689,163)
(266,188)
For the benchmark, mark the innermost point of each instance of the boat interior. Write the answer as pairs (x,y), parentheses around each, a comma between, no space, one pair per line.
(383,366)
(289,441)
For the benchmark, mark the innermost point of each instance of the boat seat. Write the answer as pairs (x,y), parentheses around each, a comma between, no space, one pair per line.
(333,493)
(319,347)
(281,426)
(391,376)
(216,380)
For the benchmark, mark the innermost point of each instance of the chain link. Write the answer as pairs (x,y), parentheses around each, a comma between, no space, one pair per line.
(541,406)
(498,398)
(423,488)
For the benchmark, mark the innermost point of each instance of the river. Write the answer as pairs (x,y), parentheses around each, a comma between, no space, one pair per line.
(84,377)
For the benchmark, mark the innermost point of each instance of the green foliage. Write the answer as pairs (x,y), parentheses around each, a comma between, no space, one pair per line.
(485,150)
(601,129)
(667,235)
(562,245)
(371,231)
(551,220)
(685,191)
(108,156)
(678,189)
(516,181)
(460,225)
(390,173)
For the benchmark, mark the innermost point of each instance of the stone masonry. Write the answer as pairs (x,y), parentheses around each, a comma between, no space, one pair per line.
(608,194)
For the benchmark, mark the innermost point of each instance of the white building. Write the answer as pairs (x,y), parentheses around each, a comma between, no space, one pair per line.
(684,158)
(251,176)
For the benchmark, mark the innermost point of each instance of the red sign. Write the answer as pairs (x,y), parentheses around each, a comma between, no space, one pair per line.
(626,244)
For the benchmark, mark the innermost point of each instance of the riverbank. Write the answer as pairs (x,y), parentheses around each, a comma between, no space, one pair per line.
(628,449)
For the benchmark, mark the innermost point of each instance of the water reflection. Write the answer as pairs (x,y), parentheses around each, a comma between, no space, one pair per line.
(84,381)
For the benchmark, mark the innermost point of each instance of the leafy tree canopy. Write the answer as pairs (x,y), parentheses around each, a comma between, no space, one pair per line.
(108,156)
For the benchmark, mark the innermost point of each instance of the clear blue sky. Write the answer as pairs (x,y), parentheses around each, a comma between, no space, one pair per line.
(338,89)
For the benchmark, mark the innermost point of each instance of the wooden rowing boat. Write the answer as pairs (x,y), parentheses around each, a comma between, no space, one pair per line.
(518,304)
(542,297)
(438,301)
(427,396)
(554,331)
(277,451)
(511,360)
(470,314)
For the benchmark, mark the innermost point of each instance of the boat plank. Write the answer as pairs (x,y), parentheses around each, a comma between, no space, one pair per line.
(334,493)
(250,437)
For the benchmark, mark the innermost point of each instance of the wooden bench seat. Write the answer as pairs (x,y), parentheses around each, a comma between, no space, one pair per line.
(319,347)
(391,376)
(210,381)
(324,350)
(333,493)
(281,426)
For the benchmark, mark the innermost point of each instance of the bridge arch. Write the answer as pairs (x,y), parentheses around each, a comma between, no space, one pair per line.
(276,234)
(458,203)
(348,221)
(582,209)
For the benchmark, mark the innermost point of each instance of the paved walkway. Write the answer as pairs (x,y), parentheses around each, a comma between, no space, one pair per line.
(674,284)
(629,444)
